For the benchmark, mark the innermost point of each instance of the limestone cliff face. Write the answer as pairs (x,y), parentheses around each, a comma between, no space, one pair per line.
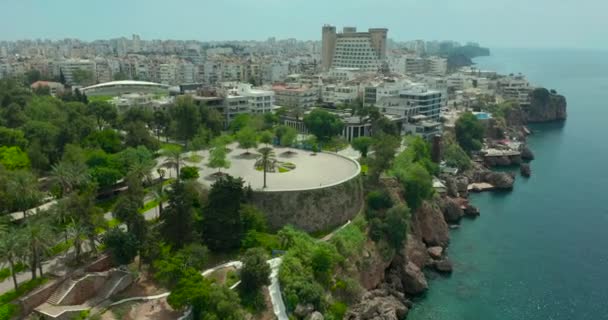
(546,106)
(429,224)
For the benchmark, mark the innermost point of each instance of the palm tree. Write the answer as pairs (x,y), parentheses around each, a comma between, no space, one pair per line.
(12,248)
(267,158)
(70,176)
(23,191)
(174,158)
(77,233)
(39,235)
(159,191)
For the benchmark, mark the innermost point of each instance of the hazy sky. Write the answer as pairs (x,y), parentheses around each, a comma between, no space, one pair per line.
(495,23)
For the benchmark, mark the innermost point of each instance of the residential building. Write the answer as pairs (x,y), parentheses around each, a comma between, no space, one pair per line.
(295,96)
(413,101)
(352,49)
(515,88)
(54,87)
(260,101)
(68,67)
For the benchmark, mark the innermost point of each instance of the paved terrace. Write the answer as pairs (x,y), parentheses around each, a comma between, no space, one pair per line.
(312,171)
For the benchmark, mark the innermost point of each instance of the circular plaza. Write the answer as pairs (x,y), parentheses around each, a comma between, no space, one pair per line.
(292,169)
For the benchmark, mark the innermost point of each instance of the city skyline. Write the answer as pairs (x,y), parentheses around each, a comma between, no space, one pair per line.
(235,20)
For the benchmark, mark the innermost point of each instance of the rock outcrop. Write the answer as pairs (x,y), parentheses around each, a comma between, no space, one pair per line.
(526,153)
(452,212)
(429,224)
(525,170)
(546,106)
(444,265)
(415,251)
(500,180)
(380,304)
(413,280)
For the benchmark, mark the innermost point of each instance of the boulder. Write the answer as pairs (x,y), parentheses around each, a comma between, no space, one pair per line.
(500,180)
(315,316)
(429,224)
(526,153)
(413,279)
(452,186)
(462,185)
(471,211)
(443,266)
(379,305)
(502,161)
(302,311)
(452,211)
(370,265)
(435,252)
(415,251)
(525,170)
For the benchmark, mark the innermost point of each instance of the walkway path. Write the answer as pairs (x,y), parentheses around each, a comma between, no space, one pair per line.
(57,264)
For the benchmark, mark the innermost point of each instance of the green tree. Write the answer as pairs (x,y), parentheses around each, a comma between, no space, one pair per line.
(418,185)
(104,113)
(201,140)
(218,158)
(189,173)
(455,157)
(254,275)
(187,118)
(396,224)
(323,124)
(174,158)
(70,176)
(267,158)
(12,247)
(253,219)
(39,234)
(122,245)
(108,139)
(239,122)
(160,123)
(469,132)
(23,191)
(222,223)
(362,144)
(247,138)
(178,219)
(385,146)
(13,158)
(84,212)
(286,135)
(83,77)
(32,76)
(12,137)
(208,301)
(266,137)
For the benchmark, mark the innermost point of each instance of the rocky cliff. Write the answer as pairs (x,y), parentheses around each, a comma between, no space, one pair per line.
(546,106)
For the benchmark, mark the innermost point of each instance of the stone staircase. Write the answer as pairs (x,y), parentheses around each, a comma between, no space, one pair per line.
(61,292)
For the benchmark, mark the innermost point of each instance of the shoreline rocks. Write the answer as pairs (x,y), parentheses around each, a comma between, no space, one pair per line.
(525,170)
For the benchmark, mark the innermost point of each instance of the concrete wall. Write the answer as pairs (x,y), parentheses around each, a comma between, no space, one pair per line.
(314,209)
(39,296)
(84,289)
(103,263)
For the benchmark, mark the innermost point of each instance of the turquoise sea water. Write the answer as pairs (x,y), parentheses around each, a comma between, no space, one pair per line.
(540,251)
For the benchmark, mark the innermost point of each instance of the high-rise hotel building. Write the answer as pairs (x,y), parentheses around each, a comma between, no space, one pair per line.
(352,49)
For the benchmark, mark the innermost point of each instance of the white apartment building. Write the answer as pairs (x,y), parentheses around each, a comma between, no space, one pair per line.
(275,72)
(295,96)
(417,100)
(515,88)
(167,73)
(437,66)
(67,67)
(260,101)
(337,94)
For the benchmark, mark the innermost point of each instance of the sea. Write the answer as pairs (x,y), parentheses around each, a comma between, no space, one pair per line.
(539,252)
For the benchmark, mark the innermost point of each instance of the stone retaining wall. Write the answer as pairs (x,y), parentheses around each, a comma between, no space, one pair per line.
(314,209)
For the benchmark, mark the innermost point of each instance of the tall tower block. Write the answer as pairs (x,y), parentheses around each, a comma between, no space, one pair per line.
(328,46)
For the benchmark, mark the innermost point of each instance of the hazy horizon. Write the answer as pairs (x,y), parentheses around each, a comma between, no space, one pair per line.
(495,24)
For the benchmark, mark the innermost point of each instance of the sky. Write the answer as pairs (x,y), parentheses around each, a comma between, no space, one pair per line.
(493,23)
